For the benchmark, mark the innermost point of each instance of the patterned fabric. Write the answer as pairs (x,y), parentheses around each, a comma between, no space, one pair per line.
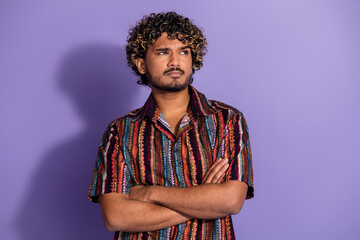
(140,148)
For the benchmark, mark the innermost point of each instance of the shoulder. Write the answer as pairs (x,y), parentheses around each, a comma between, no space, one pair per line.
(225,110)
(127,119)
(232,118)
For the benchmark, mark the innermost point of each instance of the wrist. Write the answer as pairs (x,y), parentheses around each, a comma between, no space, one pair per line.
(152,193)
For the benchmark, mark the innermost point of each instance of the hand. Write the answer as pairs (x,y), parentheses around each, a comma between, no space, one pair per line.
(216,172)
(139,193)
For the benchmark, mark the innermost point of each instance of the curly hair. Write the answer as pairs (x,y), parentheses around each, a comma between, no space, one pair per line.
(150,28)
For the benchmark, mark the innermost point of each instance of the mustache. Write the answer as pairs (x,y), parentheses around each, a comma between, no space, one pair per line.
(174,69)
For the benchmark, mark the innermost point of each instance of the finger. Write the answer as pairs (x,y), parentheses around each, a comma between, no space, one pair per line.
(216,163)
(208,176)
(212,172)
(220,174)
(219,170)
(221,178)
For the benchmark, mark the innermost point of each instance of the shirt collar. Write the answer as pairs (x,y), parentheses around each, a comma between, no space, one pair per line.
(198,106)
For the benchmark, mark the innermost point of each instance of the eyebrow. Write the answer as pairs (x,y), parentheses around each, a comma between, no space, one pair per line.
(167,49)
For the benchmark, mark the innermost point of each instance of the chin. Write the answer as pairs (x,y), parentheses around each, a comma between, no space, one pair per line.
(174,84)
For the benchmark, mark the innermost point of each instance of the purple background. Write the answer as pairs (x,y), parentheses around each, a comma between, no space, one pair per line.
(292,67)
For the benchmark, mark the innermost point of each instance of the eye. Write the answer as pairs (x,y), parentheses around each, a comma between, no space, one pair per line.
(161,52)
(185,52)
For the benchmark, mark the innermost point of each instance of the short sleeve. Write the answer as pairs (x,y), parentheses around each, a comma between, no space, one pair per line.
(110,174)
(240,159)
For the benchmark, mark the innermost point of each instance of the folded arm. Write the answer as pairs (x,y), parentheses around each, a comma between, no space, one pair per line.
(122,214)
(155,207)
(207,201)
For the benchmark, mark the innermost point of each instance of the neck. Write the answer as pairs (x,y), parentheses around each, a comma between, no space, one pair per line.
(172,103)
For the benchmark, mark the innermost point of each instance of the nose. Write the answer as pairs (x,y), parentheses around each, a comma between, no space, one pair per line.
(174,60)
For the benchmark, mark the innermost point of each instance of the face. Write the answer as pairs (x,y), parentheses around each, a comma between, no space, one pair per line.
(167,64)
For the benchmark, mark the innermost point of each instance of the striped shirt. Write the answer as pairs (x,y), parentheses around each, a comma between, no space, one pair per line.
(141,149)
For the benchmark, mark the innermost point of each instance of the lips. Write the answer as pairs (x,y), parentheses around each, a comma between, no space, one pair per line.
(174,72)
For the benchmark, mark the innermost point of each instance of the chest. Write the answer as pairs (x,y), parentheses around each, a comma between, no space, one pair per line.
(154,155)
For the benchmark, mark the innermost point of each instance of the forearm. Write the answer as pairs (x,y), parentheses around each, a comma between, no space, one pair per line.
(206,201)
(123,214)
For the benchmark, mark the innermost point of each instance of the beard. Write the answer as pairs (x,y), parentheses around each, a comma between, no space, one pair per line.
(173,86)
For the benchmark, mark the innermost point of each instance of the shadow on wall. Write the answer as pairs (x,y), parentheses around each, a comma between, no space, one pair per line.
(101,86)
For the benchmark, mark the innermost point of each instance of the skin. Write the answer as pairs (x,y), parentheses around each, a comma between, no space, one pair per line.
(168,66)
(132,213)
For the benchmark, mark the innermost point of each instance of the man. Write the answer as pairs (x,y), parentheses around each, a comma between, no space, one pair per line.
(178,167)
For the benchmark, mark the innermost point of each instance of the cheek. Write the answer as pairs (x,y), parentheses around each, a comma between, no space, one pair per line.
(189,61)
(190,65)
(156,66)
(151,68)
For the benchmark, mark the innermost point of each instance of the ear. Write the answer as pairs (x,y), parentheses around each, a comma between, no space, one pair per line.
(140,64)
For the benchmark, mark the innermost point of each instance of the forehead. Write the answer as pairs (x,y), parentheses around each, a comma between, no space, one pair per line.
(164,42)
